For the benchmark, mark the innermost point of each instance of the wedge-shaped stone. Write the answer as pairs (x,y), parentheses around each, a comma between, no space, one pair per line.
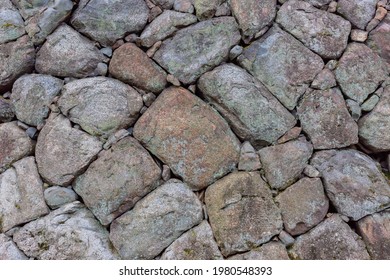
(325,118)
(156,221)
(100,105)
(9,250)
(21,194)
(273,250)
(189,136)
(197,49)
(11,23)
(283,64)
(252,111)
(107,22)
(284,163)
(324,33)
(353,182)
(64,152)
(332,239)
(66,53)
(358,12)
(360,71)
(115,181)
(68,233)
(242,212)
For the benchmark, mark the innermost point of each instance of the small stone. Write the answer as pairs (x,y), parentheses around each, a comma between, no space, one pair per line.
(235,52)
(165,4)
(57,196)
(173,80)
(22,125)
(114,138)
(148,98)
(184,6)
(205,9)
(154,13)
(249,159)
(106,51)
(150,4)
(101,69)
(223,10)
(32,132)
(311,171)
(380,14)
(117,44)
(192,88)
(6,110)
(358,12)
(261,32)
(166,173)
(292,134)
(324,80)
(344,218)
(150,52)
(332,8)
(143,110)
(354,109)
(358,35)
(370,103)
(132,38)
(9,250)
(270,251)
(286,238)
(372,24)
(331,64)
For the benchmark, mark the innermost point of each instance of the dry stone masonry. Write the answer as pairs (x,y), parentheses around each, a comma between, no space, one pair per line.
(195,129)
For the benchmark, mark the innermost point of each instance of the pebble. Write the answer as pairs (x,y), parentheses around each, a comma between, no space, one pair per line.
(184,6)
(358,35)
(106,51)
(173,80)
(370,103)
(235,52)
(166,173)
(151,51)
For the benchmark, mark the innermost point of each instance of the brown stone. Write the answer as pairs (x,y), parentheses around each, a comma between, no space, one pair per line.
(293,133)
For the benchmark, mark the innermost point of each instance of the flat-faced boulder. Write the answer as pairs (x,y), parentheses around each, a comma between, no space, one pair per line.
(9,250)
(189,136)
(358,12)
(198,48)
(283,64)
(21,198)
(115,181)
(252,111)
(353,182)
(32,95)
(63,152)
(66,53)
(273,250)
(332,239)
(284,163)
(68,233)
(156,221)
(324,33)
(11,23)
(242,212)
(100,105)
(131,65)
(325,118)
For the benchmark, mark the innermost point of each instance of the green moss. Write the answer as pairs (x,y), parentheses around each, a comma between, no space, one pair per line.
(188,252)
(43,246)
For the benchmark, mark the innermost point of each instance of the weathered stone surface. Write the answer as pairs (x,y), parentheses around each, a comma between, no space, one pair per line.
(241,212)
(57,196)
(100,105)
(253,15)
(252,111)
(165,4)
(68,233)
(205,9)
(273,250)
(354,109)
(32,95)
(63,152)
(374,127)
(353,182)
(184,6)
(107,22)
(21,194)
(189,136)
(358,35)
(14,144)
(66,53)
(11,23)
(131,65)
(156,221)
(324,80)
(292,134)
(379,39)
(370,103)
(360,71)
(303,205)
(330,240)
(197,49)
(375,231)
(325,118)
(115,181)
(6,110)
(318,3)
(358,12)
(284,163)
(17,58)
(195,244)
(311,171)
(165,25)
(282,64)
(249,159)
(9,250)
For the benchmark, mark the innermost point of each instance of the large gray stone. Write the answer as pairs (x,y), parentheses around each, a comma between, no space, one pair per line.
(332,239)
(66,53)
(165,25)
(242,212)
(17,58)
(353,182)
(68,233)
(21,194)
(100,105)
(156,221)
(196,244)
(107,22)
(11,23)
(197,49)
(14,144)
(63,152)
(358,12)
(252,111)
(324,33)
(284,163)
(115,181)
(273,250)
(325,118)
(9,250)
(282,64)
(360,71)
(374,127)
(189,136)
(32,95)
